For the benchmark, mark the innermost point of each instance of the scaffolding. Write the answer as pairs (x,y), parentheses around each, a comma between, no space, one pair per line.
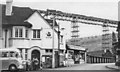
(106,37)
(82,19)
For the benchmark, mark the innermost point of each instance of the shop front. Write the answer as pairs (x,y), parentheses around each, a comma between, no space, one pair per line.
(76,54)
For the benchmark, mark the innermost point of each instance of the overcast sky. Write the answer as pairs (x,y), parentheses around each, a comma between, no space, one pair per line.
(107,9)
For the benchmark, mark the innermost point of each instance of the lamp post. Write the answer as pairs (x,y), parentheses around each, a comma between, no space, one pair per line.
(53,52)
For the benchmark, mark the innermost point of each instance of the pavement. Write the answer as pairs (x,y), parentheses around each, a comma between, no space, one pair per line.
(112,66)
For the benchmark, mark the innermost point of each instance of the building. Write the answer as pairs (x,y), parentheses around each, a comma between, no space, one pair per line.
(100,56)
(118,44)
(27,30)
(76,54)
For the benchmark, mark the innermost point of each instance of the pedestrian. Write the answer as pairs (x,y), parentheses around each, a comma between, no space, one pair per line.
(29,65)
(41,65)
(35,63)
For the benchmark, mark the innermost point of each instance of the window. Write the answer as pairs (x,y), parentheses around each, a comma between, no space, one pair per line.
(36,33)
(12,54)
(48,50)
(11,33)
(26,33)
(61,39)
(25,54)
(18,32)
(20,50)
(4,54)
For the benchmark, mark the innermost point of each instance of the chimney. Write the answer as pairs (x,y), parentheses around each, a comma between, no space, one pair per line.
(9,7)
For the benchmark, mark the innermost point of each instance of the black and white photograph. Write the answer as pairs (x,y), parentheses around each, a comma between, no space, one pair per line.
(59,35)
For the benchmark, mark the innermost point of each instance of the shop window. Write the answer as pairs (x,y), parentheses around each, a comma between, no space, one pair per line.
(51,50)
(36,33)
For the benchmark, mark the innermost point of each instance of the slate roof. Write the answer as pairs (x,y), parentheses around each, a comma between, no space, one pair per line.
(19,15)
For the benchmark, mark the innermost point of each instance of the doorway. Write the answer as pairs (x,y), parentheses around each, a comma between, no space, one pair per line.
(35,53)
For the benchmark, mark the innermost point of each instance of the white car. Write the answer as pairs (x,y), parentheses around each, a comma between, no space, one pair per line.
(11,59)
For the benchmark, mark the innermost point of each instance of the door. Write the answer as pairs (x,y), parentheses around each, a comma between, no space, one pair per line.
(35,53)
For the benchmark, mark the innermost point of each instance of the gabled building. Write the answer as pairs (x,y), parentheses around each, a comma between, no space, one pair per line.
(28,31)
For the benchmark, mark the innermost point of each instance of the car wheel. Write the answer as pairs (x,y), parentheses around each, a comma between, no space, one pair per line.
(12,68)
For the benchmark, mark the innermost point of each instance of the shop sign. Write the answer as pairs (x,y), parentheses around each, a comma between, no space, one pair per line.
(48,35)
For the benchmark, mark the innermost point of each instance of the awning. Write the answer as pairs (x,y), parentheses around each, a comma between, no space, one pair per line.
(72,47)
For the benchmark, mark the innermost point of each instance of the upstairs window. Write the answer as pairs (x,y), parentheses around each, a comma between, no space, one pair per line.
(36,33)
(61,39)
(11,32)
(18,32)
(26,33)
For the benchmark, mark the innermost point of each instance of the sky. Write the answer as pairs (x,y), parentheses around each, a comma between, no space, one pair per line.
(107,9)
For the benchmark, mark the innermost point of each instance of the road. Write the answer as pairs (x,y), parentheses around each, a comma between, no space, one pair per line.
(87,67)
(83,68)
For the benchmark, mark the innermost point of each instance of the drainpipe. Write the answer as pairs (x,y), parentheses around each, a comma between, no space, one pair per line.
(6,38)
(58,46)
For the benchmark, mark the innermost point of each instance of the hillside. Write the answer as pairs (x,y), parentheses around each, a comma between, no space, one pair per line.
(92,43)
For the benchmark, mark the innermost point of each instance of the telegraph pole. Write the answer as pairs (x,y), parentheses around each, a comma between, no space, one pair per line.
(53,24)
(53,53)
